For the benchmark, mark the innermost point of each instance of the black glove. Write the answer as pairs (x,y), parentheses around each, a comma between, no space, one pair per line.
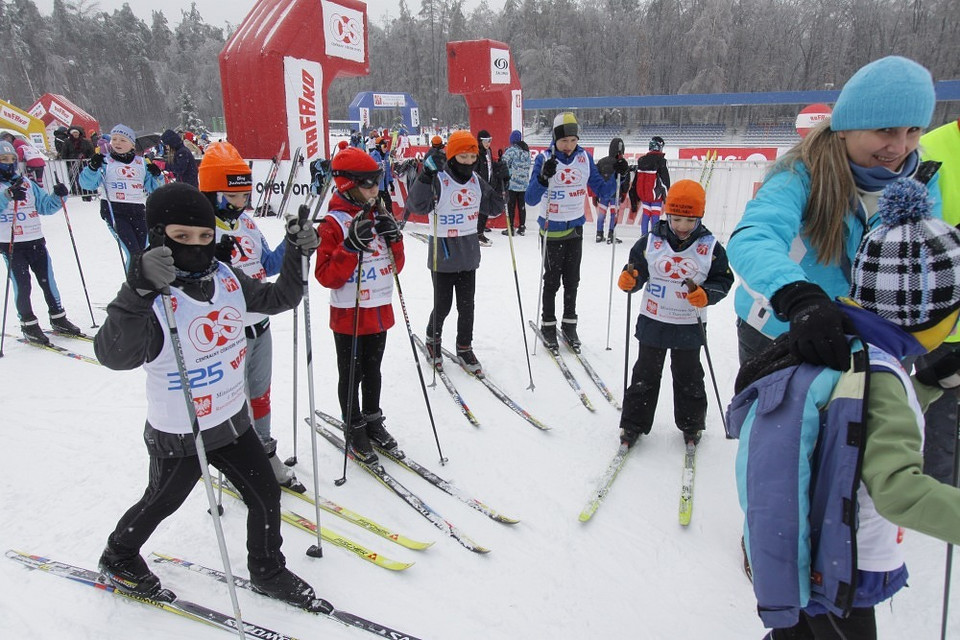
(224,249)
(622,166)
(302,235)
(151,271)
(17,190)
(95,162)
(153,169)
(431,166)
(943,373)
(360,234)
(388,228)
(816,325)
(60,190)
(548,170)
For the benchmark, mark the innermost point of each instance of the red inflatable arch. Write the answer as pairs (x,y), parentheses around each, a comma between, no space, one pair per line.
(56,111)
(482,71)
(276,68)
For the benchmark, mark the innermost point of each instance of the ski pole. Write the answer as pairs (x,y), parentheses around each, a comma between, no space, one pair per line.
(63,204)
(113,220)
(413,347)
(613,257)
(436,294)
(351,379)
(948,569)
(543,248)
(516,282)
(201,454)
(691,286)
(6,292)
(292,460)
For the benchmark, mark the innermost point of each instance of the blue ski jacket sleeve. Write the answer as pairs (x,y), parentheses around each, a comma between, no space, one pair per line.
(271,259)
(46,203)
(605,189)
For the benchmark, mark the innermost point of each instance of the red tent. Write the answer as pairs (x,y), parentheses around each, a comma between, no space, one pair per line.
(276,68)
(56,111)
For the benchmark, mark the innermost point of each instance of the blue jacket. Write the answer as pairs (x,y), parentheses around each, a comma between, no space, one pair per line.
(602,188)
(802,432)
(517,159)
(46,203)
(768,251)
(383,159)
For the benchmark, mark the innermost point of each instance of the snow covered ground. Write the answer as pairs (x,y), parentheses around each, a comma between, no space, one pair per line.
(73,460)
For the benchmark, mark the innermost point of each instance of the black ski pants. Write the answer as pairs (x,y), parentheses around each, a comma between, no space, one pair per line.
(367,381)
(861,624)
(516,201)
(171,480)
(562,266)
(464,284)
(28,256)
(689,394)
(128,223)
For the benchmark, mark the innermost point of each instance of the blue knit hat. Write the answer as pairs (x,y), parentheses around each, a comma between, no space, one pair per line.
(125,131)
(889,92)
(515,136)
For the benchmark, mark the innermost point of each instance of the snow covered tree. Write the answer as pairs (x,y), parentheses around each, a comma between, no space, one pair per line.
(187,113)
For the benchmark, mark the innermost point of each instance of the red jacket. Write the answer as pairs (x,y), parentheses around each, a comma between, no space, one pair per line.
(336,265)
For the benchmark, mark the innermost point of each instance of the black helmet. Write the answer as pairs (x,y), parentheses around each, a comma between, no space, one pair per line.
(656,143)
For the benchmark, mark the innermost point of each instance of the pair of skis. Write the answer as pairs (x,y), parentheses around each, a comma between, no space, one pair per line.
(58,349)
(685,511)
(170,603)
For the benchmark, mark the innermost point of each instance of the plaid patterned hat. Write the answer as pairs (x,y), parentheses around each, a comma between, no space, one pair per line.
(907,270)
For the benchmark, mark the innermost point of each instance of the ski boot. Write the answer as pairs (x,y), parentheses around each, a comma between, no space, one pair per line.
(132,576)
(549,332)
(468,360)
(521,230)
(569,328)
(484,240)
(33,333)
(59,322)
(599,237)
(692,436)
(286,586)
(611,238)
(360,445)
(628,438)
(434,354)
(378,434)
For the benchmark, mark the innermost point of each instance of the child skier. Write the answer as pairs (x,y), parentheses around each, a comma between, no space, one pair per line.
(685,269)
(22,202)
(849,444)
(211,301)
(652,183)
(457,195)
(354,230)
(227,182)
(563,174)
(127,180)
(606,166)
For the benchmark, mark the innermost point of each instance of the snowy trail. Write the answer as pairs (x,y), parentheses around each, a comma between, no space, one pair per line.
(73,460)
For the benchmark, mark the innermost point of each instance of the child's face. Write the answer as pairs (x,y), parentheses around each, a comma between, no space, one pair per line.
(567,145)
(237,199)
(466,158)
(368,193)
(682,225)
(881,147)
(8,158)
(121,144)
(185,234)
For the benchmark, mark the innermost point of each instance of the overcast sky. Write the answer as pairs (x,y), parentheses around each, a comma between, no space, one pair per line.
(217,12)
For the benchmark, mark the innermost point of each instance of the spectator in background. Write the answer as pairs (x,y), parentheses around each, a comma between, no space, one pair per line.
(32,159)
(381,154)
(76,148)
(516,160)
(181,164)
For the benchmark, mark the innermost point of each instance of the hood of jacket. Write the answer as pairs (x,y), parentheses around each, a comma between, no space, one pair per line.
(171,139)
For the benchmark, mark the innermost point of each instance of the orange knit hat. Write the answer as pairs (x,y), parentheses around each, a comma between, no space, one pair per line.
(223,169)
(461,142)
(685,198)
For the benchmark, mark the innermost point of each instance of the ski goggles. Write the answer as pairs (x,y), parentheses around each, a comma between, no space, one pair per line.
(364,180)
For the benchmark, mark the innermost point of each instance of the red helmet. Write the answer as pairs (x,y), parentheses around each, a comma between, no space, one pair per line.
(352,167)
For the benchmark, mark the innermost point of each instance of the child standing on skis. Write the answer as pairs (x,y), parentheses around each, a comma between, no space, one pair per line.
(227,182)
(610,205)
(22,202)
(684,268)
(211,301)
(457,195)
(355,236)
(652,183)
(127,180)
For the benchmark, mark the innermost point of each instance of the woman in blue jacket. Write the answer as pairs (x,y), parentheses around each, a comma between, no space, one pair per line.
(795,243)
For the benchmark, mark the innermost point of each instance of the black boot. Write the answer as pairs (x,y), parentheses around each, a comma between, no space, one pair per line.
(599,236)
(32,332)
(549,332)
(130,574)
(468,360)
(286,586)
(569,328)
(59,322)
(377,433)
(360,444)
(434,353)
(611,238)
